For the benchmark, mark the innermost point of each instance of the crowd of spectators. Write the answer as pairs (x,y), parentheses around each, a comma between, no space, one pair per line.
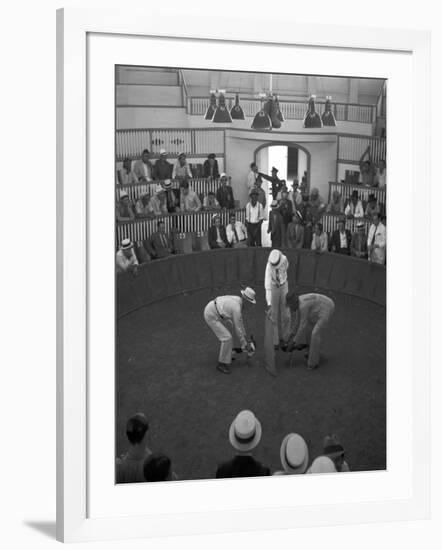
(141,464)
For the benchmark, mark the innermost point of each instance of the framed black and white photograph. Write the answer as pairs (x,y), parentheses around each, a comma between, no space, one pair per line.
(238,302)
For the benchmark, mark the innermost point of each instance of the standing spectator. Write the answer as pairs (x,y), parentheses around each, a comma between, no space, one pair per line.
(261,193)
(320,239)
(143,168)
(354,208)
(244,434)
(162,169)
(217,233)
(210,202)
(340,241)
(130,465)
(359,247)
(274,180)
(294,455)
(236,233)
(367,173)
(124,210)
(322,465)
(172,196)
(377,241)
(158,467)
(380,178)
(335,451)
(276,226)
(157,203)
(308,228)
(251,177)
(372,207)
(125,258)
(317,204)
(295,232)
(276,287)
(295,195)
(336,205)
(210,167)
(181,169)
(189,201)
(254,219)
(126,175)
(283,189)
(159,244)
(224,195)
(286,208)
(142,207)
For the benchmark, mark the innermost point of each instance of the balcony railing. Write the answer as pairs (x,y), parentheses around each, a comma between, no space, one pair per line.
(346,189)
(351,148)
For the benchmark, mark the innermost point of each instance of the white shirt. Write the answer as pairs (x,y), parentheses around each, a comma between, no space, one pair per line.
(275,277)
(343,237)
(123,263)
(181,171)
(357,211)
(230,308)
(254,214)
(240,231)
(251,178)
(381,179)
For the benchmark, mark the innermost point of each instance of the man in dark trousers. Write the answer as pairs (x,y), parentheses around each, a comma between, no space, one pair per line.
(159,244)
(340,241)
(224,195)
(217,234)
(210,167)
(244,434)
(276,226)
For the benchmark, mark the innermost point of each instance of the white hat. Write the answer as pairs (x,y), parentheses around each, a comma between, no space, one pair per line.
(166,184)
(126,244)
(294,454)
(275,257)
(162,151)
(360,224)
(223,175)
(158,189)
(322,465)
(274,204)
(249,294)
(245,432)
(123,194)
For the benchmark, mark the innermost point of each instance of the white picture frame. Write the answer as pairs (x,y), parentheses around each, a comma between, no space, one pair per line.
(76,208)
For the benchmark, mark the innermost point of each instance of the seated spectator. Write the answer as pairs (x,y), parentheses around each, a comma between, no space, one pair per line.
(251,177)
(142,207)
(125,258)
(217,233)
(295,232)
(372,206)
(354,208)
(157,203)
(210,202)
(130,465)
(254,219)
(320,239)
(367,172)
(143,168)
(244,434)
(333,449)
(261,193)
(377,241)
(224,195)
(322,465)
(336,205)
(308,228)
(159,244)
(380,178)
(276,225)
(162,169)
(189,201)
(210,167)
(236,233)
(181,169)
(340,241)
(294,455)
(124,211)
(126,175)
(359,242)
(172,196)
(158,467)
(317,205)
(295,195)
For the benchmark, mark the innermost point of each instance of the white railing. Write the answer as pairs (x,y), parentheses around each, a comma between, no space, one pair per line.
(330,223)
(352,148)
(346,189)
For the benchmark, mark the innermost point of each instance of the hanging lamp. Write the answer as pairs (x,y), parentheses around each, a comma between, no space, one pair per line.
(212,106)
(222,115)
(236,111)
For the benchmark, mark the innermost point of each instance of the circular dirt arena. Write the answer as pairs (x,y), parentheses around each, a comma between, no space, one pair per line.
(166,358)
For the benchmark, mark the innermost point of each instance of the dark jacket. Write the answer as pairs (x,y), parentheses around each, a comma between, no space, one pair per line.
(335,242)
(213,236)
(276,183)
(162,170)
(275,227)
(159,245)
(224,196)
(242,466)
(206,169)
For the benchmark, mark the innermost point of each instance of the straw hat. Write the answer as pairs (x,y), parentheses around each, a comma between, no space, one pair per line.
(249,294)
(126,244)
(275,257)
(322,465)
(294,454)
(245,432)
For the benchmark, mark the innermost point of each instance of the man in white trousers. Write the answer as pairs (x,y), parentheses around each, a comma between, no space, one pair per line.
(276,287)
(311,314)
(227,310)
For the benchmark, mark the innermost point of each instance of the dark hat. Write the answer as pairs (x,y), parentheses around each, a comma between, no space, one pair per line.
(372,197)
(332,447)
(274,169)
(211,156)
(355,193)
(254,192)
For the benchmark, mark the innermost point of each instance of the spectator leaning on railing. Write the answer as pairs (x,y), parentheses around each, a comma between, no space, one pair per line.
(126,175)
(142,207)
(143,167)
(123,211)
(181,169)
(157,203)
(189,200)
(224,194)
(210,202)
(336,205)
(172,196)
(354,208)
(125,258)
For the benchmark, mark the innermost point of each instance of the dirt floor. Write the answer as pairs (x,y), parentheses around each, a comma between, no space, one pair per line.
(166,358)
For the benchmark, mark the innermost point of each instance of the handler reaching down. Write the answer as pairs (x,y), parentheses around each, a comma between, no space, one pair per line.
(311,314)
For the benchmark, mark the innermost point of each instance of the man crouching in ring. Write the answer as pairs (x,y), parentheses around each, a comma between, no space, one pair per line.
(227,310)
(311,314)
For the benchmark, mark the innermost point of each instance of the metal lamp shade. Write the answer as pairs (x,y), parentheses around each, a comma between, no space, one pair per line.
(236,111)
(222,115)
(211,108)
(262,121)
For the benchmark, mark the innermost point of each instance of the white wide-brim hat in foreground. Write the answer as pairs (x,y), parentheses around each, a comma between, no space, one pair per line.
(245,432)
(294,454)
(126,244)
(249,294)
(322,465)
(275,257)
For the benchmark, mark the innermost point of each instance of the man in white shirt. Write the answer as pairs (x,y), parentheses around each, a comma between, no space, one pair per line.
(380,179)
(276,288)
(377,241)
(125,258)
(227,310)
(143,167)
(354,208)
(181,169)
(254,219)
(295,195)
(158,203)
(189,201)
(251,177)
(236,233)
